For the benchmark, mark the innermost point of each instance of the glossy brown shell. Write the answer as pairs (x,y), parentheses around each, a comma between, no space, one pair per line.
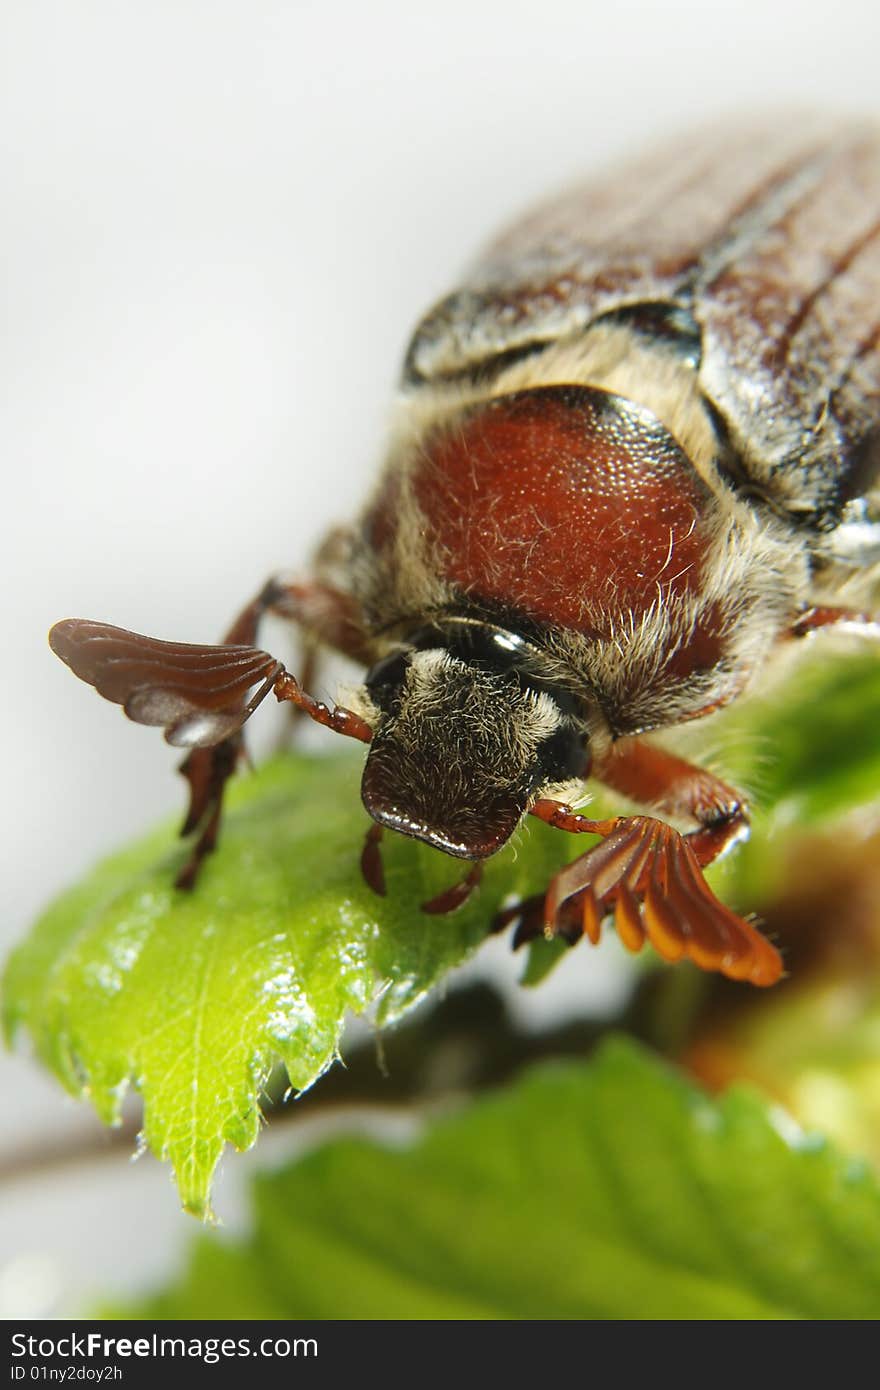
(767,238)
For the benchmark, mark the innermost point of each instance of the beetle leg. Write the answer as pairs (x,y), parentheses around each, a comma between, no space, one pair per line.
(649,876)
(308,663)
(372,869)
(527,919)
(447,901)
(323,613)
(453,897)
(318,610)
(206,770)
(335,717)
(200,694)
(651,775)
(848,619)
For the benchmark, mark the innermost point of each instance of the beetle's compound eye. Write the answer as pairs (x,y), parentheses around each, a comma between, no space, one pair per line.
(386,678)
(565,755)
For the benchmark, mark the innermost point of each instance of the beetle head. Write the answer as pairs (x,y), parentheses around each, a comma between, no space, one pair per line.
(467,739)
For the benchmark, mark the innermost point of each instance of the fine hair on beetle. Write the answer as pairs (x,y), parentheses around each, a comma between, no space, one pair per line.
(634,456)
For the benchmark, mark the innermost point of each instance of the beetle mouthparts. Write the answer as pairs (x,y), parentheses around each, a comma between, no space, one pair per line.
(447,808)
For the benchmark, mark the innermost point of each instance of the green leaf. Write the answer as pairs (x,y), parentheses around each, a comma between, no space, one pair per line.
(814,1044)
(806,749)
(811,746)
(193,997)
(611,1189)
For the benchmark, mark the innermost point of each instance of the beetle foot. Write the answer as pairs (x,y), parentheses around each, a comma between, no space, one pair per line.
(527,919)
(207,771)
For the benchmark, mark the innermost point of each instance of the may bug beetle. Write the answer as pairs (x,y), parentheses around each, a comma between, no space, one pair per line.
(635,452)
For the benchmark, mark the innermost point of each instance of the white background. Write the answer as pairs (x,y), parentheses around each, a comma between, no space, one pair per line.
(219,221)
